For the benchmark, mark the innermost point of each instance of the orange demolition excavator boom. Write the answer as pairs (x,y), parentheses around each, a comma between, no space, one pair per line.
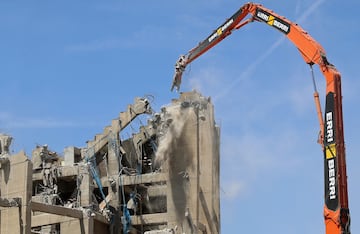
(336,209)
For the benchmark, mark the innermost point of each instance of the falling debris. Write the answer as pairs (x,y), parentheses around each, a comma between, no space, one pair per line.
(173,120)
(163,179)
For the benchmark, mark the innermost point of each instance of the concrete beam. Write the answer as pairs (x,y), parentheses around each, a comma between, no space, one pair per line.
(58,210)
(140,106)
(48,219)
(62,172)
(142,179)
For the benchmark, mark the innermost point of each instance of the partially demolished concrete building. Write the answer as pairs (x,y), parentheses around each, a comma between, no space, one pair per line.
(162,179)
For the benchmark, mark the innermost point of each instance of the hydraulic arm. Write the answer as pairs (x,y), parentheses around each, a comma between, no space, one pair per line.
(336,210)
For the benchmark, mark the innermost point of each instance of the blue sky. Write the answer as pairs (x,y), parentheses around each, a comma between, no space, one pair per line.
(69,67)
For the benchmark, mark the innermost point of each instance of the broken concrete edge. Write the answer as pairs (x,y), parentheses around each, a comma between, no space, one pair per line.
(140,106)
(10,202)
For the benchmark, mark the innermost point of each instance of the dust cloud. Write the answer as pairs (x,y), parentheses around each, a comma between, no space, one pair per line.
(173,122)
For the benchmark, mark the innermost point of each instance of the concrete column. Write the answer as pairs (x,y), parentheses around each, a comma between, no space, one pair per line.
(88,225)
(86,186)
(71,155)
(113,168)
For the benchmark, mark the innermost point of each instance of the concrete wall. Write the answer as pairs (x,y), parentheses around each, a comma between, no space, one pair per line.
(193,186)
(16,182)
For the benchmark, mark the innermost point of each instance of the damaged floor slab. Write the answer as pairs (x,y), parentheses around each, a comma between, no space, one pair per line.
(162,179)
